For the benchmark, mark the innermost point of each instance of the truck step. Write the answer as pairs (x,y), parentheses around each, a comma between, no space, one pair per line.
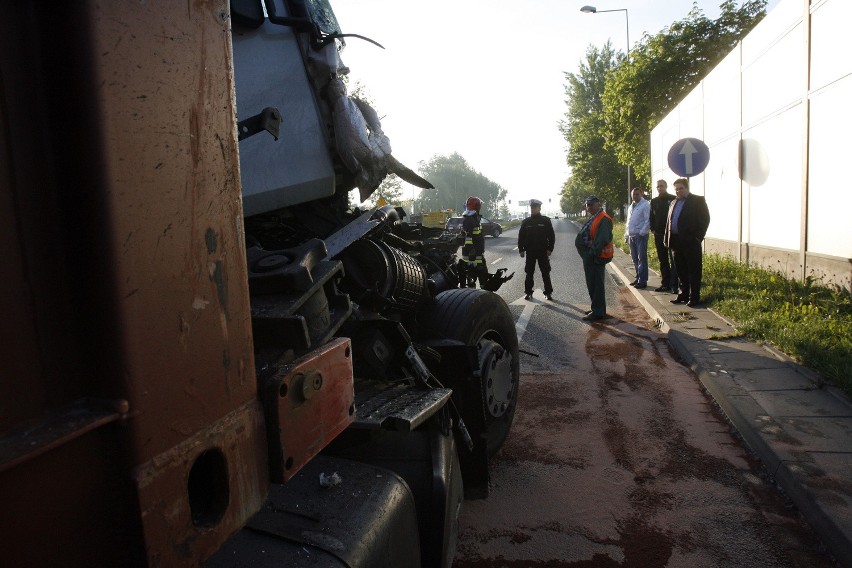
(395,407)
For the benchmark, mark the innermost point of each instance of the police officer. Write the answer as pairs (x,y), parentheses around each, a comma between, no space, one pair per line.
(473,251)
(535,241)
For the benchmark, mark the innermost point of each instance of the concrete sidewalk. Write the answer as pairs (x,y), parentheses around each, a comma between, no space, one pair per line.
(799,428)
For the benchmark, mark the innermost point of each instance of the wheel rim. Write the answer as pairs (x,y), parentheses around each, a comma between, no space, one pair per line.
(495,366)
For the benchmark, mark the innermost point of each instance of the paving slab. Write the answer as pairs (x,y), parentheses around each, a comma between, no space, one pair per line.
(771,380)
(813,402)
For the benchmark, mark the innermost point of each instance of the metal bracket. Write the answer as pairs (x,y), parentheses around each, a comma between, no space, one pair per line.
(269,119)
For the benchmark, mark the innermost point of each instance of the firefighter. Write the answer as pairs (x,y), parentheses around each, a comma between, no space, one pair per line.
(473,251)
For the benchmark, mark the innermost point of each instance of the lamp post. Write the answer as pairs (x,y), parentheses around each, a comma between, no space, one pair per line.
(593,10)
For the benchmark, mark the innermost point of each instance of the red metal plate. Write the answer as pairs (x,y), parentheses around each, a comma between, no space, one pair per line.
(315,401)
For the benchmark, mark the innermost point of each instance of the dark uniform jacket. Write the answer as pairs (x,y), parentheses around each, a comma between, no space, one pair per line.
(536,234)
(660,212)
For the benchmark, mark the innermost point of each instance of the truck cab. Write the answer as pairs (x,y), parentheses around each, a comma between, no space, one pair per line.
(212,357)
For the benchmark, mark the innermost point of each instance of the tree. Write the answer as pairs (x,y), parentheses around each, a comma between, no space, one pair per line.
(573,196)
(454,182)
(503,211)
(593,167)
(390,190)
(660,71)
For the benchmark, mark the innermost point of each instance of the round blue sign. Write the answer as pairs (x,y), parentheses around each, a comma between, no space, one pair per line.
(689,157)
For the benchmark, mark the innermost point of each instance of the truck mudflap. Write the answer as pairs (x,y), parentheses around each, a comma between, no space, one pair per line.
(334,512)
(428,461)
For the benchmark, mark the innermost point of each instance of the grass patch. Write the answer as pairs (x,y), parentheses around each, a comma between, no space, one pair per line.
(806,320)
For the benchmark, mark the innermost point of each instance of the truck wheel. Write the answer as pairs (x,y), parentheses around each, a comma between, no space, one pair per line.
(480,318)
(495,233)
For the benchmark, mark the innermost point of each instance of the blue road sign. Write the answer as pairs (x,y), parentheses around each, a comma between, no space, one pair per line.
(688,157)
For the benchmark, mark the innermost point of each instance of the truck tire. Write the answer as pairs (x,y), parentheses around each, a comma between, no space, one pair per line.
(480,318)
(495,233)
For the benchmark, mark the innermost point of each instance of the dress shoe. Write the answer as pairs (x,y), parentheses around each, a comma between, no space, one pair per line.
(549,297)
(693,303)
(589,313)
(594,317)
(680,300)
(634,283)
(641,286)
(662,289)
(528,297)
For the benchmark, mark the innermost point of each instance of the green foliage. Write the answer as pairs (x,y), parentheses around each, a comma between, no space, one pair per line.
(805,319)
(660,71)
(390,189)
(503,211)
(454,182)
(595,170)
(573,195)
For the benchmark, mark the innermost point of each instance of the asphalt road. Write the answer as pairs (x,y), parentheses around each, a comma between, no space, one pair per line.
(617,457)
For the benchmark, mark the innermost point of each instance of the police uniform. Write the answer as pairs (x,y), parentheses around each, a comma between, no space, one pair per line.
(535,241)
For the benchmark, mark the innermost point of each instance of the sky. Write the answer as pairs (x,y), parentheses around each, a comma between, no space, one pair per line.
(486,78)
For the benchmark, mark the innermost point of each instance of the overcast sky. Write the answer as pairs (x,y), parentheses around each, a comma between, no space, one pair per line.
(485,78)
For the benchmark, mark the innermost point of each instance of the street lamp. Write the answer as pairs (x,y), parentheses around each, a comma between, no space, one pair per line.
(593,10)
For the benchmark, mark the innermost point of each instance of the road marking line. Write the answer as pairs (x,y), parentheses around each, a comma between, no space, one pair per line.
(521,324)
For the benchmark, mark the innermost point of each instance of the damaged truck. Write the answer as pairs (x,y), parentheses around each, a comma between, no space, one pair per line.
(211,358)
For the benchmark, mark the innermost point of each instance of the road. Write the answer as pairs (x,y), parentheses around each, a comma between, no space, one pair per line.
(617,457)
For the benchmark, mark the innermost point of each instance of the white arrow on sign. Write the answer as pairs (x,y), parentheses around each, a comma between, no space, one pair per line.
(688,150)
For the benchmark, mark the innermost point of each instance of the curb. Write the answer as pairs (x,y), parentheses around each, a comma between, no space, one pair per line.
(734,408)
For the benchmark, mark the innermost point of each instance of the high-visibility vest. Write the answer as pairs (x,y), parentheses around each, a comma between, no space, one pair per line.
(608,249)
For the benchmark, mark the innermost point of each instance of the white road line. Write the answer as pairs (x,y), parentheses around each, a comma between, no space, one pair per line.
(496,261)
(521,324)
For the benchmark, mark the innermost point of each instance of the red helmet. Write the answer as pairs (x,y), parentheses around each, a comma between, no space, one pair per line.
(473,204)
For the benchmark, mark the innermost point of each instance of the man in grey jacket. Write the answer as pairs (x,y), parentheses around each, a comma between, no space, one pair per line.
(636,235)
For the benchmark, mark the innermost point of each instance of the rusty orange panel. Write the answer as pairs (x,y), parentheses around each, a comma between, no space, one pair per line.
(195,495)
(308,403)
(173,193)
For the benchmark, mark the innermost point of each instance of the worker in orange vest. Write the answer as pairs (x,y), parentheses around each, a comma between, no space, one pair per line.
(594,243)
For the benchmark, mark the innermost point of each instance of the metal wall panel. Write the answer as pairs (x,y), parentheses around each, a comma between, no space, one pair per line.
(831,57)
(723,187)
(773,80)
(774,150)
(829,188)
(722,99)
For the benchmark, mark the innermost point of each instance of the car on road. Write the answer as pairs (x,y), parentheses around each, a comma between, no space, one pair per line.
(489,227)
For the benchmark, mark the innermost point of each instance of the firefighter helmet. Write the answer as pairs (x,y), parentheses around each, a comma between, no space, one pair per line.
(473,205)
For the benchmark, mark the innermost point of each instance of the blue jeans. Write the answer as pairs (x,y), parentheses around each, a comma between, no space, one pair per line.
(639,254)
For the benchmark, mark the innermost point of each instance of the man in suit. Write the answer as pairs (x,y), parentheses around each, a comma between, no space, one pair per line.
(659,217)
(686,226)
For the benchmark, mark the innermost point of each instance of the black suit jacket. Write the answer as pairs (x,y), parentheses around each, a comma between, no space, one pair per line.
(693,220)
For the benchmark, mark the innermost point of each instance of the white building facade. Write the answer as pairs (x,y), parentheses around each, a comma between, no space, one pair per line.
(776,114)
